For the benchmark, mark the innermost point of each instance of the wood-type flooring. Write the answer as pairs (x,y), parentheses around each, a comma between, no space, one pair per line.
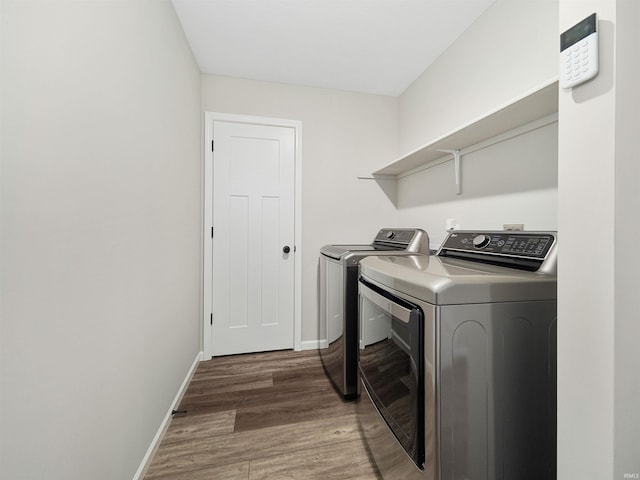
(263,416)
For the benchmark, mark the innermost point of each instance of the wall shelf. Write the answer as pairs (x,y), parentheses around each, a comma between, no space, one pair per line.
(533,105)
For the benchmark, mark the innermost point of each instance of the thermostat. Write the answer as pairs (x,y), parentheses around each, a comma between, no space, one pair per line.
(579,52)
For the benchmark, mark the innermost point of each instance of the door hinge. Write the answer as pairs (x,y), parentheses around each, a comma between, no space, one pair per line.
(211,319)
(212,145)
(211,232)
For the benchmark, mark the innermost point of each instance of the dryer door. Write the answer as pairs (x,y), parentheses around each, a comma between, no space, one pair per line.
(391,364)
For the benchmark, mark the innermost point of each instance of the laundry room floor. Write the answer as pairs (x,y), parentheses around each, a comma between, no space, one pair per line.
(263,416)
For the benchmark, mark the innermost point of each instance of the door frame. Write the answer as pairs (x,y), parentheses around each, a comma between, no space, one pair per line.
(207,225)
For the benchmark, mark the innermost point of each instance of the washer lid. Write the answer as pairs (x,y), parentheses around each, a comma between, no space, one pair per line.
(339,251)
(352,254)
(449,281)
(388,241)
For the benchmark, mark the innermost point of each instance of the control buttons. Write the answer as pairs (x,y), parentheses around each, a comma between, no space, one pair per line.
(481,241)
(489,244)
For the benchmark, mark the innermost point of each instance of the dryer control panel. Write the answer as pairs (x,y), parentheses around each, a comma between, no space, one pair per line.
(525,250)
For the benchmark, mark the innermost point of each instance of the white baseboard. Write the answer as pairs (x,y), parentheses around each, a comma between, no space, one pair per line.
(313,344)
(155,443)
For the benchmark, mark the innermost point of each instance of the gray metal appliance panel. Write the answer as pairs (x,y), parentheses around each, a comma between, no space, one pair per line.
(353,257)
(340,252)
(336,307)
(444,281)
(497,391)
(490,396)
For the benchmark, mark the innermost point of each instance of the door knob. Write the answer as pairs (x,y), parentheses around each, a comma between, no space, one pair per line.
(286,249)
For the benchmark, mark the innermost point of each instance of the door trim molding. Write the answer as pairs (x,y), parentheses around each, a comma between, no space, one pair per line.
(207,304)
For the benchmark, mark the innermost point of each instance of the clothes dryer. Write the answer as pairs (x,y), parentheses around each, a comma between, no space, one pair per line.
(457,359)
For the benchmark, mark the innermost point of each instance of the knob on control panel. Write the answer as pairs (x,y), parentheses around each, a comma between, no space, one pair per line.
(481,241)
(390,235)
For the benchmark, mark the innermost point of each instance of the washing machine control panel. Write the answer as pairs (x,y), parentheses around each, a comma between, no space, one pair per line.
(502,243)
(412,240)
(399,236)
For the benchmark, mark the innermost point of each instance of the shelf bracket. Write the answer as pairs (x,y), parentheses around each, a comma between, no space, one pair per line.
(456,168)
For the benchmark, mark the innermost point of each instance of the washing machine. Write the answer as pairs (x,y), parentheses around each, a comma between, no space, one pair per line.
(457,359)
(338,299)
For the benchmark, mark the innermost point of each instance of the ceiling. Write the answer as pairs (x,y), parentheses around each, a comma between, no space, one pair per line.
(369,46)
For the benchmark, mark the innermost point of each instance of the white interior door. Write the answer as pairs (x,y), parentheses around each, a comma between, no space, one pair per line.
(253,227)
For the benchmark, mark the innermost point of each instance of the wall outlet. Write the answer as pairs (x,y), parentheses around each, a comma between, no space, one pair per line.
(450,224)
(513,226)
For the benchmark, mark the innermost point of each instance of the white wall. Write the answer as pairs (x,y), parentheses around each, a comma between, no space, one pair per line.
(343,135)
(100,211)
(598,329)
(627,308)
(586,307)
(510,50)
(514,181)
